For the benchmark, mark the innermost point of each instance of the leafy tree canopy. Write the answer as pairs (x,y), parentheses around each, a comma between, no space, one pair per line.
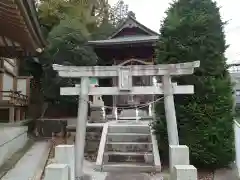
(69,25)
(68,46)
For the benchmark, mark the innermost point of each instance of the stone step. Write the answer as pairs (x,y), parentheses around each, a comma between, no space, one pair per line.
(128,137)
(128,153)
(129,146)
(129,118)
(129,143)
(135,157)
(128,167)
(128,128)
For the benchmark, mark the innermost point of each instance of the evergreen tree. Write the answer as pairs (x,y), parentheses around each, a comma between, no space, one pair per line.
(193,30)
(67,46)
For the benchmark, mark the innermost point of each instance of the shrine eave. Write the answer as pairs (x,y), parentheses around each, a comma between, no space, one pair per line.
(125,40)
(20,27)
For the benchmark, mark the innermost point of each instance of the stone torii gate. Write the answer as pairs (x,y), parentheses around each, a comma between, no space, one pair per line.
(125,74)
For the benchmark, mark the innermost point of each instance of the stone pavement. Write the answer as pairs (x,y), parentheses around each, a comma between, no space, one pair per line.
(89,170)
(28,166)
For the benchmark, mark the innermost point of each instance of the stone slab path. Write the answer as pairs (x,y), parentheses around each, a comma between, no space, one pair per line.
(121,176)
(30,164)
(89,170)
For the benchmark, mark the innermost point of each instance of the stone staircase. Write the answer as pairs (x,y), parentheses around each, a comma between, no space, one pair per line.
(128,146)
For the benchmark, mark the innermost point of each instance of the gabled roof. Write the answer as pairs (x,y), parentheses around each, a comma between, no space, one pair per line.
(148,36)
(131,22)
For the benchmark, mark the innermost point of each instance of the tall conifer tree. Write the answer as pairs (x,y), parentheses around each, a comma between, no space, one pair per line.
(193,30)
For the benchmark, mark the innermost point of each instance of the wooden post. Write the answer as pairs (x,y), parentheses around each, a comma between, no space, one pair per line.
(114,97)
(11,114)
(170,111)
(24,114)
(153,82)
(18,114)
(114,83)
(81,128)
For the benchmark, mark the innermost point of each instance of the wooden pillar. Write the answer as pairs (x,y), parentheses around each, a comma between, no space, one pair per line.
(1,82)
(18,114)
(23,114)
(11,115)
(114,97)
(153,99)
(170,111)
(81,127)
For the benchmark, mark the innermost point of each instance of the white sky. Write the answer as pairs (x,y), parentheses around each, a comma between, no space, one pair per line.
(151,12)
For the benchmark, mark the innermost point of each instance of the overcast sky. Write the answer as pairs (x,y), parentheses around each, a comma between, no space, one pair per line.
(151,12)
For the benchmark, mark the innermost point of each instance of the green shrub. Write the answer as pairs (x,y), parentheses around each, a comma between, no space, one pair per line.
(192,31)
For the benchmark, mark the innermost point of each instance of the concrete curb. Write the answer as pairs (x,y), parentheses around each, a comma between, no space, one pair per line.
(15,158)
(41,166)
(15,137)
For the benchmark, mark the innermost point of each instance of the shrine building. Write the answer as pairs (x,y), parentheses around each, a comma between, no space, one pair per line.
(131,44)
(20,38)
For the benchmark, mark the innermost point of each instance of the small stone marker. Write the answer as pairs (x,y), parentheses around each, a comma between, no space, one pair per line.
(178,155)
(184,172)
(64,154)
(57,172)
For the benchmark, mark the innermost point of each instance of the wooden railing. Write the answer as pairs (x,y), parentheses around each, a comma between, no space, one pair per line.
(15,97)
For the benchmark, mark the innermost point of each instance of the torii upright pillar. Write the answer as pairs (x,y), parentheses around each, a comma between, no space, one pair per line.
(81,127)
(170,111)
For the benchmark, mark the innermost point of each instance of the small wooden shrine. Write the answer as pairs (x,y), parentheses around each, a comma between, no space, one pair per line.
(20,37)
(132,44)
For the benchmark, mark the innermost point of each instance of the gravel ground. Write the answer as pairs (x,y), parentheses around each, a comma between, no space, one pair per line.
(205,175)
